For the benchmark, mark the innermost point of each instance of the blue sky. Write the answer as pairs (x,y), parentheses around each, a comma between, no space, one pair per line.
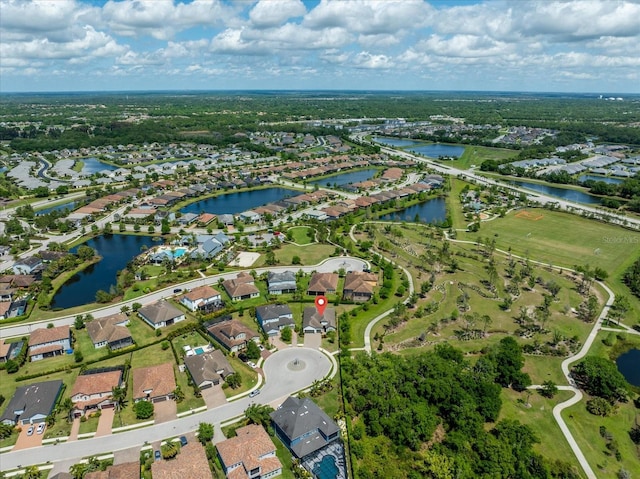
(545,45)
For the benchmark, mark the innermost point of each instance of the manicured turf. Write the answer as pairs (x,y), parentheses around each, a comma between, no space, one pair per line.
(302,234)
(475,155)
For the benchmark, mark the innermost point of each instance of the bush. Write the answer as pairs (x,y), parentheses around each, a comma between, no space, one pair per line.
(165,345)
(77,354)
(599,407)
(286,334)
(12,366)
(143,409)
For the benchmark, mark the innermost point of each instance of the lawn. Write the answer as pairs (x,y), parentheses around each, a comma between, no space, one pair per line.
(563,239)
(248,375)
(302,235)
(90,425)
(309,255)
(539,418)
(475,155)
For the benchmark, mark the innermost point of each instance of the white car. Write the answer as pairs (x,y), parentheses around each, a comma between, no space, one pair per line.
(252,364)
(41,427)
(254,393)
(30,431)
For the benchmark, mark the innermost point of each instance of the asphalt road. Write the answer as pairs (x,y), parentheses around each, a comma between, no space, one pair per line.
(287,371)
(327,266)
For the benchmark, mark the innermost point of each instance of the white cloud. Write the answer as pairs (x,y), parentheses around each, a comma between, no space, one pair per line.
(466,46)
(272,13)
(367,60)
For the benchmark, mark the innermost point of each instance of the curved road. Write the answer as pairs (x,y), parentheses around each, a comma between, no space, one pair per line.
(287,371)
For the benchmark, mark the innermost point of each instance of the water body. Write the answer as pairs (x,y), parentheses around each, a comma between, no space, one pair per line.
(431,211)
(232,203)
(394,141)
(326,468)
(345,178)
(437,150)
(629,365)
(93,165)
(64,206)
(606,179)
(562,193)
(116,251)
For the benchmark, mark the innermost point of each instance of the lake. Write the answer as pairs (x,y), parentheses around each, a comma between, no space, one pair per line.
(629,365)
(606,179)
(431,211)
(93,165)
(562,193)
(437,150)
(64,206)
(343,179)
(116,251)
(394,141)
(232,203)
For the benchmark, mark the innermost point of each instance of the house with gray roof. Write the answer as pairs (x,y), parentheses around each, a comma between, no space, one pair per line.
(314,322)
(208,369)
(280,283)
(160,314)
(274,317)
(32,404)
(303,427)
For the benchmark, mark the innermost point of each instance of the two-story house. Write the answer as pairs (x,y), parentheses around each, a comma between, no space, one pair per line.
(274,317)
(202,297)
(314,322)
(94,390)
(48,342)
(242,287)
(110,331)
(232,335)
(250,454)
(281,283)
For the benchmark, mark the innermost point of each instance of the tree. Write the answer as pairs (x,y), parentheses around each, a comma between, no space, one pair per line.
(205,432)
(79,322)
(143,409)
(259,414)
(548,389)
(85,252)
(600,377)
(286,334)
(296,260)
(169,450)
(252,351)
(234,381)
(31,472)
(119,395)
(599,407)
(509,361)
(178,394)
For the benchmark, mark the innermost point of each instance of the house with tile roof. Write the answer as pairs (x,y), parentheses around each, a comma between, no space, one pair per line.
(232,335)
(127,470)
(48,342)
(32,404)
(160,314)
(322,283)
(190,463)
(314,322)
(242,287)
(358,286)
(303,427)
(208,369)
(110,331)
(94,390)
(200,298)
(154,383)
(273,318)
(251,453)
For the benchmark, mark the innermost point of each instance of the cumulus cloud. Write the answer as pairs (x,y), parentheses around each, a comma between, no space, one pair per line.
(273,13)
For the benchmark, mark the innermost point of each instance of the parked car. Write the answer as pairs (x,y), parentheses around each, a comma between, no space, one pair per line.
(254,393)
(261,347)
(157,455)
(30,431)
(183,441)
(177,290)
(252,364)
(41,427)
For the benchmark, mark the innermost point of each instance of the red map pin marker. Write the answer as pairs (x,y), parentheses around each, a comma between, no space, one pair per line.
(321,304)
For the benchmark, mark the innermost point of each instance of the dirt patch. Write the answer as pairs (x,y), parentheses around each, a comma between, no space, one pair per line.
(244,259)
(165,411)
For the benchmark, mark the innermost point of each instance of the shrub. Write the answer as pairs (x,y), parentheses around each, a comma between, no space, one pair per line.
(143,409)
(599,407)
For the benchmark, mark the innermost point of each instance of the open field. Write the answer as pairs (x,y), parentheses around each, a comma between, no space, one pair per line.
(475,155)
(301,234)
(311,254)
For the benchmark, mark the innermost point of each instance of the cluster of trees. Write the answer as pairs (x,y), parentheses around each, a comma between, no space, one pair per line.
(426,416)
(601,379)
(632,278)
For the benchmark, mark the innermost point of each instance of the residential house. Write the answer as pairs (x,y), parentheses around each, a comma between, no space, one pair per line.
(242,287)
(127,470)
(160,314)
(322,283)
(32,404)
(232,335)
(200,298)
(94,390)
(110,331)
(358,286)
(274,317)
(5,351)
(191,463)
(208,369)
(48,342)
(5,307)
(250,454)
(30,265)
(314,322)
(209,246)
(154,383)
(281,283)
(303,427)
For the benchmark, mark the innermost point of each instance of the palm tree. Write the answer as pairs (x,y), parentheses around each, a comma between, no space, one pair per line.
(119,395)
(31,472)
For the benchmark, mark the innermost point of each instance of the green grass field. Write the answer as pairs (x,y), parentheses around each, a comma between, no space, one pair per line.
(475,155)
(302,234)
(308,255)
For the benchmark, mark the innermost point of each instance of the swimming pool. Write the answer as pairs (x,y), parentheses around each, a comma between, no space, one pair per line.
(326,468)
(199,350)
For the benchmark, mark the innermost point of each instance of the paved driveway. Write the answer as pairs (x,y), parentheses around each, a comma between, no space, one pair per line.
(165,411)
(75,429)
(214,396)
(313,340)
(105,422)
(25,441)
